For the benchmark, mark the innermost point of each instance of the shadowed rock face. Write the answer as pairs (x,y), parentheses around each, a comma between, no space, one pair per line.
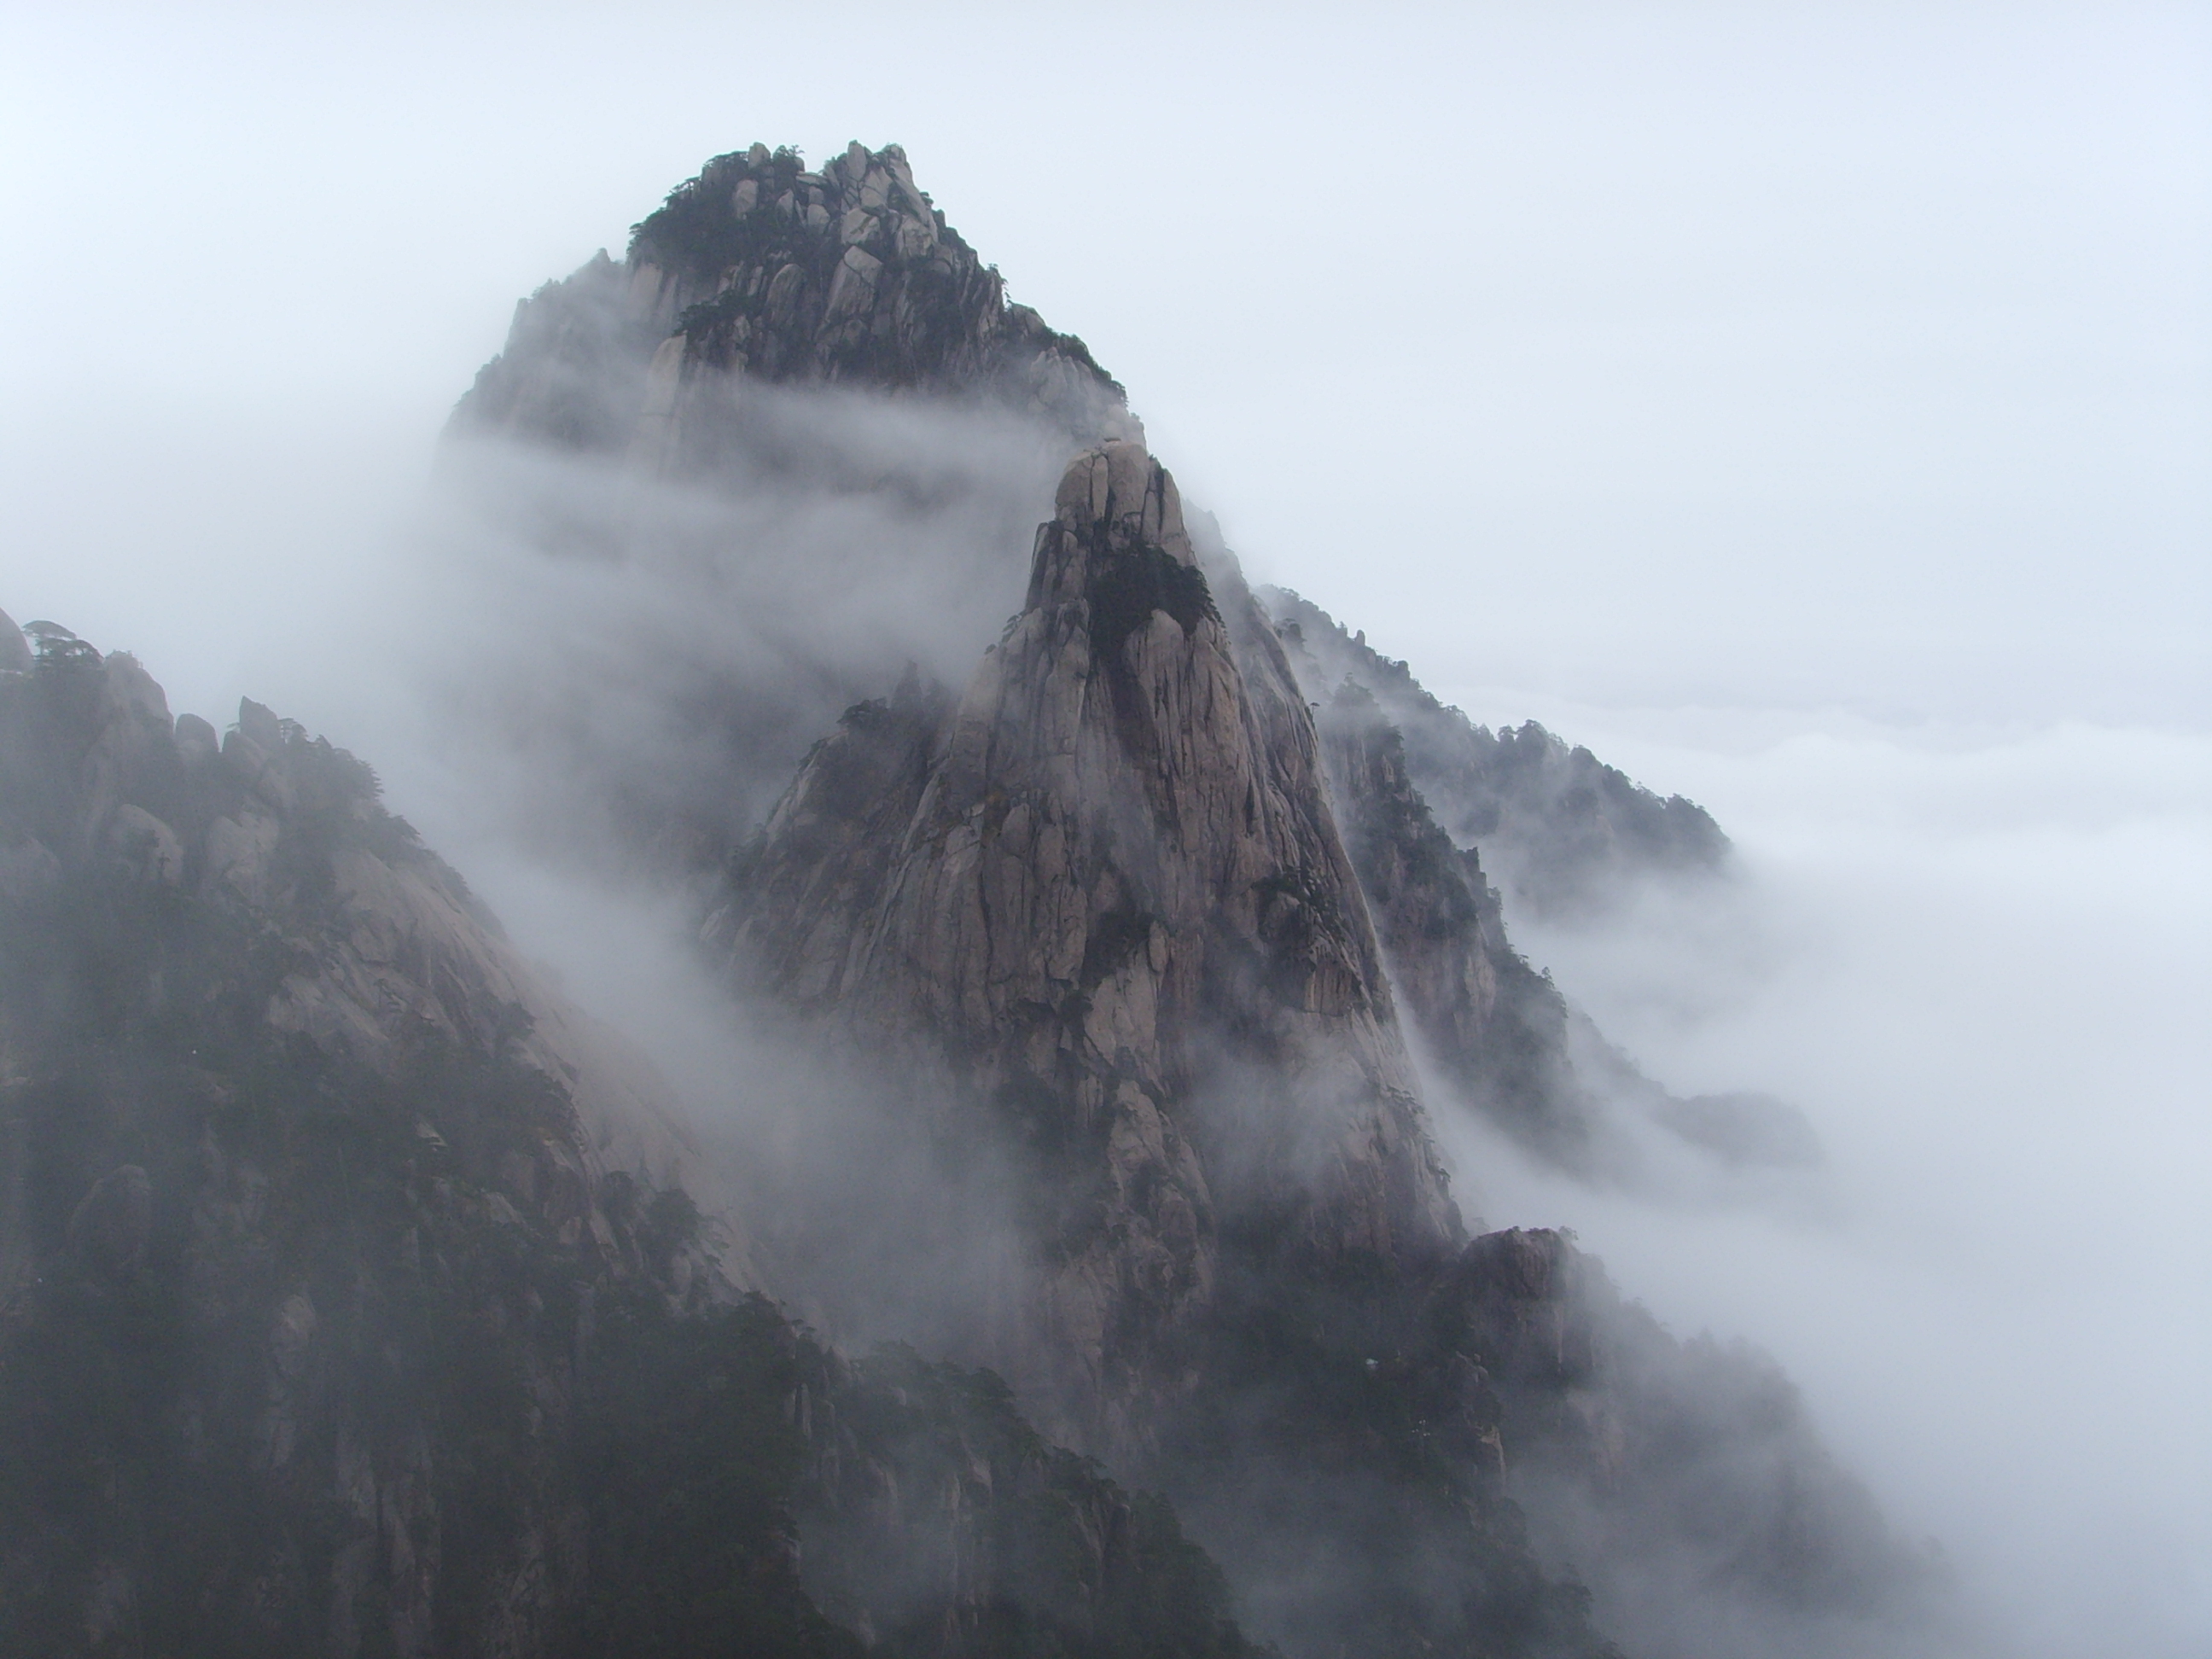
(1106,892)
(1565,833)
(1495,1030)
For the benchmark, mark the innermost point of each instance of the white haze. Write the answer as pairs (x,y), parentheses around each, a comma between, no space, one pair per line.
(1978,963)
(672,650)
(1805,407)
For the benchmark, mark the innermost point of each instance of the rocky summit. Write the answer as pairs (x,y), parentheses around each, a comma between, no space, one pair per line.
(1072,1267)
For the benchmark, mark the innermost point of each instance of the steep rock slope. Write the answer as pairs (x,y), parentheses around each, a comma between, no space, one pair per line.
(1495,1029)
(330,1325)
(1501,1038)
(1562,829)
(1101,899)
(800,412)
(1107,891)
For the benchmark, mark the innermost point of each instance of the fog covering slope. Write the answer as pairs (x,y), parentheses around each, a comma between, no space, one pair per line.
(346,1238)
(1081,998)
(351,1303)
(772,537)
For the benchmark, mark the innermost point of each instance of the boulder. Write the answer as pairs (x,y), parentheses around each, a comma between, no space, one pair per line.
(198,745)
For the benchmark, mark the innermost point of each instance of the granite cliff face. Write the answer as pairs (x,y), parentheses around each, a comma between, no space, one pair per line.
(1105,888)
(1495,1030)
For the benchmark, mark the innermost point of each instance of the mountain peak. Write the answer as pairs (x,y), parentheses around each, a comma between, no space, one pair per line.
(759,266)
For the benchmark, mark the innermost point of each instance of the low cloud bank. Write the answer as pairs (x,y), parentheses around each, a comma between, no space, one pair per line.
(1975,959)
(1977,963)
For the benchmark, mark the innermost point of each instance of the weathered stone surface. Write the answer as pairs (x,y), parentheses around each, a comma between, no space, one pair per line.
(1106,887)
(1120,927)
(1494,1030)
(234,1287)
(402,948)
(198,745)
(147,846)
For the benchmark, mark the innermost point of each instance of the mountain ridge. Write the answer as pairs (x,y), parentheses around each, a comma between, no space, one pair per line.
(1123,922)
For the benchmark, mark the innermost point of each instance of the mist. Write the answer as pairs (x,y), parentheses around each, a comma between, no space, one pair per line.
(1977,962)
(671,649)
(1815,426)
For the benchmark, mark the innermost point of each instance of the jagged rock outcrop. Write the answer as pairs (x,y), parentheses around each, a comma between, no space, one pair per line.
(1106,892)
(760,268)
(801,401)
(1560,829)
(289,1140)
(1417,785)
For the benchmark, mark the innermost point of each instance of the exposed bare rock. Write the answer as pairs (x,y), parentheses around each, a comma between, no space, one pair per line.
(1110,929)
(198,745)
(1562,832)
(1495,1030)
(387,943)
(148,847)
(307,1193)
(1108,893)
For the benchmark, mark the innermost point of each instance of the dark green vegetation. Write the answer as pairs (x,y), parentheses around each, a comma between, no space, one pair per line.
(704,227)
(1137,582)
(308,1347)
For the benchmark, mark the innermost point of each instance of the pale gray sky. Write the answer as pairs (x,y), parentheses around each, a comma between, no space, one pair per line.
(1809,405)
(1852,354)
